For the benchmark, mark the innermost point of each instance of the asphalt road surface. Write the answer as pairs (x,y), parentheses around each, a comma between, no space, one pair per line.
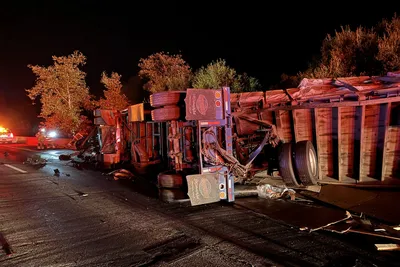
(83,218)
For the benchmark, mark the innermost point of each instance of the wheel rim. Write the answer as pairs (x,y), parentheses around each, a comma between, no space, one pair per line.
(313,167)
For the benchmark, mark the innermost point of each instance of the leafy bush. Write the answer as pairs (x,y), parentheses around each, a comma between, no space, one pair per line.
(164,72)
(218,74)
(362,51)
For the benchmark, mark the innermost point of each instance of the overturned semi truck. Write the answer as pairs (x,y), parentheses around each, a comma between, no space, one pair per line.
(343,130)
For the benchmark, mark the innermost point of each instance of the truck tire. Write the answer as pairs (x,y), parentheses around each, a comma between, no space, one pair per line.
(168,113)
(170,180)
(172,195)
(306,162)
(286,165)
(164,99)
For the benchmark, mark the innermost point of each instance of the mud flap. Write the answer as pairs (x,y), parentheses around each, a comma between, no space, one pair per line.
(203,188)
(210,188)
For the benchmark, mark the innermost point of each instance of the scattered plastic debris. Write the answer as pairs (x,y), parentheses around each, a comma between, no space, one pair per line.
(35,160)
(275,192)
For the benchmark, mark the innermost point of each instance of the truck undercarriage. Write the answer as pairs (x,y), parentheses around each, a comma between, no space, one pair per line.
(208,140)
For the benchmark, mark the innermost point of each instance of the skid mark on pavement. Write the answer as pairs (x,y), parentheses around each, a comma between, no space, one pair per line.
(15,168)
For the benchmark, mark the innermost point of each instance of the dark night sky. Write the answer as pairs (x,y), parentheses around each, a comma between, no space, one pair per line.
(253,37)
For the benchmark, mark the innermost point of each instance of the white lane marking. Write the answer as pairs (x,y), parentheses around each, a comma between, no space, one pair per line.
(15,168)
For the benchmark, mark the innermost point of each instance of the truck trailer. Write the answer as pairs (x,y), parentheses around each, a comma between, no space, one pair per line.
(333,130)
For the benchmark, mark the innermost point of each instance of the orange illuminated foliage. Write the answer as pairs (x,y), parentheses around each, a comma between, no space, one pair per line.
(164,72)
(114,98)
(62,91)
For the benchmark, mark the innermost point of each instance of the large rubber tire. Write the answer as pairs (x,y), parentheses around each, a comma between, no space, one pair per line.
(170,180)
(306,163)
(286,169)
(168,113)
(164,99)
(172,195)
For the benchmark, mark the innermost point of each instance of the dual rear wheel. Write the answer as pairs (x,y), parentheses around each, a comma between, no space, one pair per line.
(298,164)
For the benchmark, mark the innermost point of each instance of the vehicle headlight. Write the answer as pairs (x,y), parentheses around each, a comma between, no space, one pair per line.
(52,134)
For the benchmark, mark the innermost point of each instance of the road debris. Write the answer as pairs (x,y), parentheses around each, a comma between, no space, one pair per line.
(375,203)
(275,192)
(348,215)
(69,156)
(366,221)
(64,157)
(387,246)
(358,224)
(5,245)
(80,193)
(35,160)
(313,188)
(120,174)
